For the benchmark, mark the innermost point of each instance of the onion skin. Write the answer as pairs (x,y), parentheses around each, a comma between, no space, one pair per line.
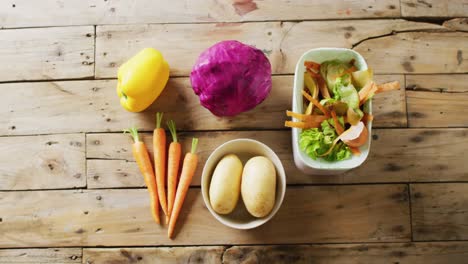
(231,77)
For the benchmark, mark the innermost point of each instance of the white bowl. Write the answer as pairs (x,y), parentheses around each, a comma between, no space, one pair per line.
(245,149)
(320,166)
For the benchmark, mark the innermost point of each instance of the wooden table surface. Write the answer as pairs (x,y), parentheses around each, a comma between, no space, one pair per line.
(70,191)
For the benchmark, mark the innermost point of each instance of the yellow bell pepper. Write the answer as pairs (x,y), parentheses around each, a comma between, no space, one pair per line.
(142,79)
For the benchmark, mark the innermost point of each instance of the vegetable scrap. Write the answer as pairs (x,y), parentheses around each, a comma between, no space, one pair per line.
(334,123)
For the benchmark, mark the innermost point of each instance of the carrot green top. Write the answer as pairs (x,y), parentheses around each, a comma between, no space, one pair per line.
(194,145)
(133,132)
(172,127)
(159,117)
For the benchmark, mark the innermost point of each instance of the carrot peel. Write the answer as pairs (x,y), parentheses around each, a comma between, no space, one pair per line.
(316,103)
(339,129)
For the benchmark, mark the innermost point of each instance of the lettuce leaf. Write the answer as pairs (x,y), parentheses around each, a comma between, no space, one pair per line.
(315,142)
(331,70)
(345,91)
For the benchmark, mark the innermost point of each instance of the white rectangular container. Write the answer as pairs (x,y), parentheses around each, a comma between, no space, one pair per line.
(301,159)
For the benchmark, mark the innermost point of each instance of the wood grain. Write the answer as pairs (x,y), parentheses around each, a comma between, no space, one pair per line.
(460,24)
(283,43)
(40,256)
(48,107)
(417,52)
(440,211)
(403,253)
(113,174)
(46,53)
(437,100)
(360,213)
(297,39)
(442,83)
(162,255)
(389,108)
(434,8)
(23,13)
(42,162)
(397,155)
(435,109)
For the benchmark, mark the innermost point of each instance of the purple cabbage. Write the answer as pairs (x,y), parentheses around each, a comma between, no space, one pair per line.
(231,77)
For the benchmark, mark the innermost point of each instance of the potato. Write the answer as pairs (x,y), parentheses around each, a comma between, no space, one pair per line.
(225,184)
(259,186)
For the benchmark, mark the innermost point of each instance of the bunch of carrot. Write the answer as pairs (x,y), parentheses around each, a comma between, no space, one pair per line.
(156,179)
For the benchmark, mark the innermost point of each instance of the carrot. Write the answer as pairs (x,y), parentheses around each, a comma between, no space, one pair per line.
(390,86)
(312,65)
(144,163)
(351,69)
(173,161)
(323,87)
(339,129)
(302,125)
(355,150)
(303,117)
(159,148)
(188,170)
(316,103)
(366,92)
(312,73)
(367,118)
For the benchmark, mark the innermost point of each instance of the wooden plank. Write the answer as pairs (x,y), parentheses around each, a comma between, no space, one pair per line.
(172,41)
(23,13)
(439,211)
(42,162)
(435,109)
(40,256)
(162,255)
(403,253)
(415,155)
(460,24)
(356,213)
(417,52)
(437,100)
(397,155)
(434,8)
(34,108)
(389,108)
(283,43)
(48,107)
(114,174)
(442,83)
(46,53)
(297,39)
